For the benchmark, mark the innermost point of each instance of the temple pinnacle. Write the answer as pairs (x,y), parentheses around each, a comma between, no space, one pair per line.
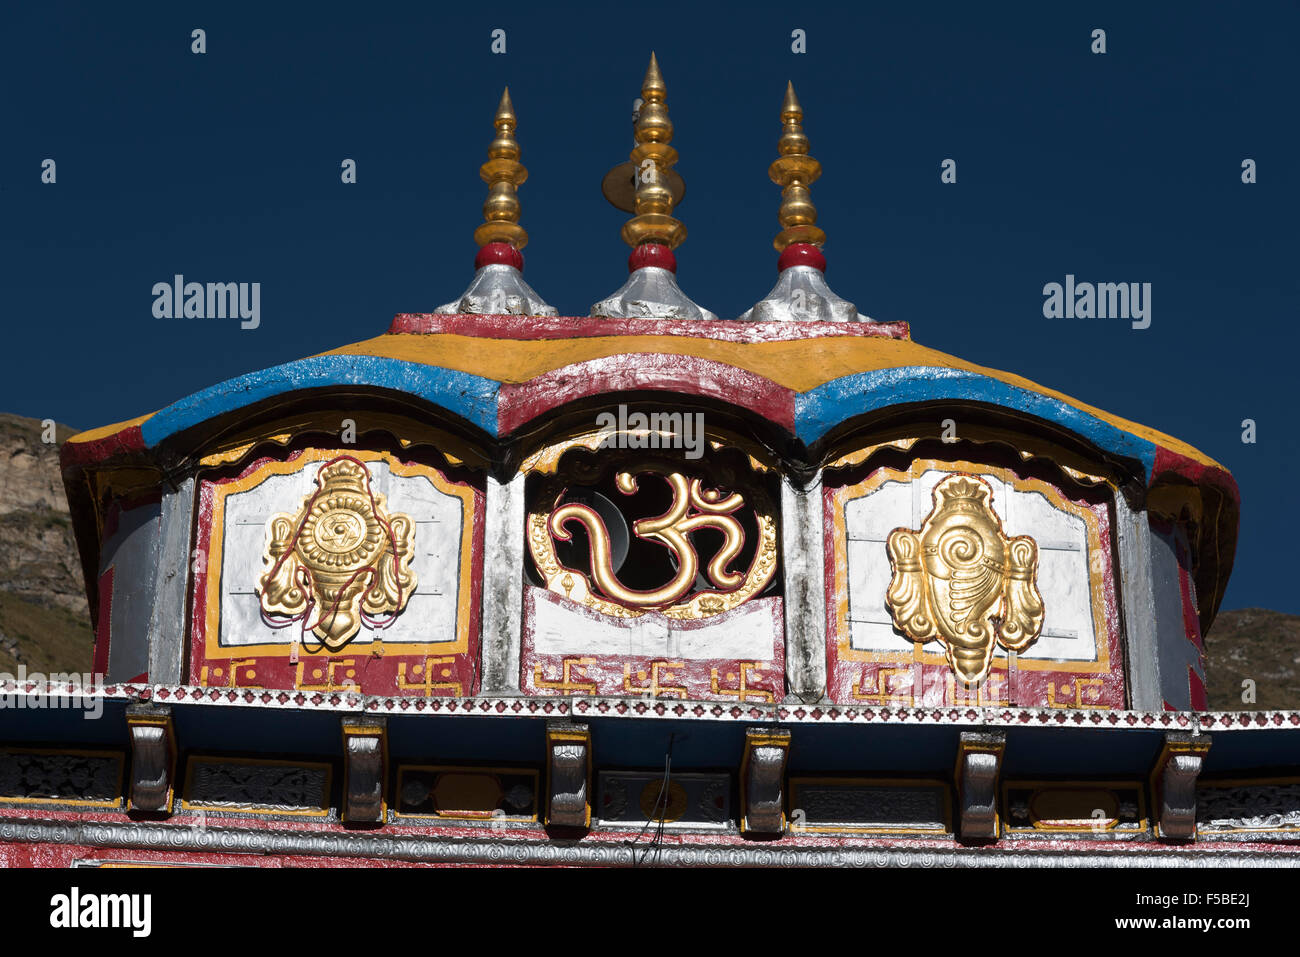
(795,171)
(648,187)
(800,293)
(503,173)
(498,287)
(652,169)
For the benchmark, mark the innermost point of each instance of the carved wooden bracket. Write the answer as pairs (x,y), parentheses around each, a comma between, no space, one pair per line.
(979,759)
(762,781)
(365,769)
(153,758)
(1173,784)
(568,774)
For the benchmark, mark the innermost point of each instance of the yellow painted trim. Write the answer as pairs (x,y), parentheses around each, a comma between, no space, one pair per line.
(91,435)
(850,452)
(545,458)
(408,430)
(212,611)
(800,365)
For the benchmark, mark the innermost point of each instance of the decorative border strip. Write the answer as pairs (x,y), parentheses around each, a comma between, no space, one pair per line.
(542,853)
(786,713)
(582,327)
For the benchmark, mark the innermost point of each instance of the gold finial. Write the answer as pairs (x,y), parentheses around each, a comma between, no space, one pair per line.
(503,173)
(795,171)
(648,185)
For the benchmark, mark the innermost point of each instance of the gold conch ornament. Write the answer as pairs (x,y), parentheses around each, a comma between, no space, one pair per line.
(961,580)
(693,507)
(341,556)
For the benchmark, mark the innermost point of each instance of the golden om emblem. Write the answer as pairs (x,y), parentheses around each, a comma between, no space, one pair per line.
(693,507)
(961,580)
(342,554)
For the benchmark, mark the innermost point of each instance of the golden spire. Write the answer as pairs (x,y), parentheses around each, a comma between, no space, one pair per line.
(648,185)
(503,173)
(795,171)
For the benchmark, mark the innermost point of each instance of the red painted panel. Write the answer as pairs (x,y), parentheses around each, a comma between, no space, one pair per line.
(1192,625)
(372,670)
(103,623)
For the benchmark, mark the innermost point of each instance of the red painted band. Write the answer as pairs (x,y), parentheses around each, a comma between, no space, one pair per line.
(104,622)
(502,253)
(652,254)
(1173,463)
(99,450)
(582,327)
(661,372)
(801,254)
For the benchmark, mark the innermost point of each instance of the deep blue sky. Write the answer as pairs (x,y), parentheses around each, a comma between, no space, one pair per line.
(225,167)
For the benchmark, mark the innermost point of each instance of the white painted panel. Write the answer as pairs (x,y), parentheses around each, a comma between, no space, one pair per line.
(748,633)
(1063,578)
(874,517)
(430,615)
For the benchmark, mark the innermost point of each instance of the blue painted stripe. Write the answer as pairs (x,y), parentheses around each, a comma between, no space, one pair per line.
(821,409)
(469,396)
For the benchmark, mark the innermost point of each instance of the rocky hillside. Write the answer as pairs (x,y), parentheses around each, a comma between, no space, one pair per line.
(44,621)
(1256,645)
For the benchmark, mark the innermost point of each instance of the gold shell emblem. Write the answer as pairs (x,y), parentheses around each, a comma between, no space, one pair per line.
(960,580)
(341,557)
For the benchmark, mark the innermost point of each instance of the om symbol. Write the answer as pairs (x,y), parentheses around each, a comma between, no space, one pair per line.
(693,507)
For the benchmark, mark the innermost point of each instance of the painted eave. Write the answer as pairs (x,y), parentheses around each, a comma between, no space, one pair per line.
(491,370)
(502,374)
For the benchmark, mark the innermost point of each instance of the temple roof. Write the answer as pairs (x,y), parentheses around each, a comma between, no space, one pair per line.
(810,380)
